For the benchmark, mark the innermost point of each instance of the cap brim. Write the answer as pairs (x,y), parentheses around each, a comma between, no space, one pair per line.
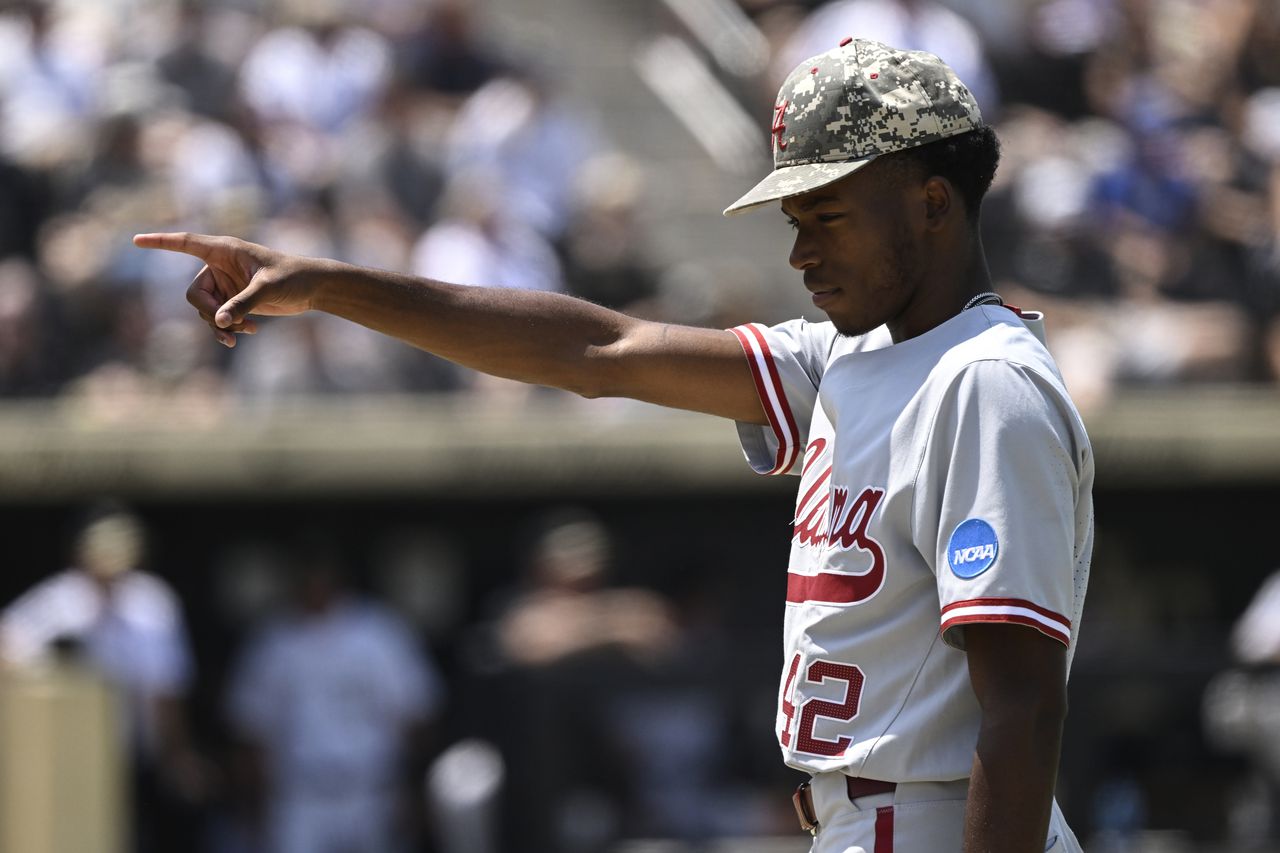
(794,180)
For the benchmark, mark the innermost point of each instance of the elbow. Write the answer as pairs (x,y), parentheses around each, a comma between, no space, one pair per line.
(579,371)
(599,372)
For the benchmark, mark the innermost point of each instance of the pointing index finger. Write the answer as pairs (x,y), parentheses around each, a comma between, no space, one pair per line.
(198,245)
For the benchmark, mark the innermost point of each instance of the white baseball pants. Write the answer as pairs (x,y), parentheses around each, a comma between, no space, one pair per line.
(918,817)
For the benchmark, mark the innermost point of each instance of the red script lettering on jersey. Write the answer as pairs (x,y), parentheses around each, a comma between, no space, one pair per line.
(847,529)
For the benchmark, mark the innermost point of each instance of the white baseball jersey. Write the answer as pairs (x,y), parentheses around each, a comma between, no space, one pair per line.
(944,480)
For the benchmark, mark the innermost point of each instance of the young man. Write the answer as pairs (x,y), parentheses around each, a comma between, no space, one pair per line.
(944,521)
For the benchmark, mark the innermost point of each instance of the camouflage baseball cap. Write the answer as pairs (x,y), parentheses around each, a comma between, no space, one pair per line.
(841,109)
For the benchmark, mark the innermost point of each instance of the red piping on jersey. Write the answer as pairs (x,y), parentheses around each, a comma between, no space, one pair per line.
(1014,618)
(789,441)
(754,364)
(1008,602)
(782,397)
(884,829)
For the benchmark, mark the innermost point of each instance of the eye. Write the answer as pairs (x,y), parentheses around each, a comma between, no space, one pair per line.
(829,217)
(793,223)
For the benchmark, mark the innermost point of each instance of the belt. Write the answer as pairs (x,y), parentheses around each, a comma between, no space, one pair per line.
(802,799)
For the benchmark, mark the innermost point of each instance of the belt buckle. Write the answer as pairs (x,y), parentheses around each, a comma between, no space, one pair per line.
(802,799)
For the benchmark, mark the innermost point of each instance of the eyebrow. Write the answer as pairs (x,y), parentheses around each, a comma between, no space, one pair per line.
(812,202)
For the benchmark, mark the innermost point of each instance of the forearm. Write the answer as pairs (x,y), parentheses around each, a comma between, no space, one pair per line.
(1015,767)
(532,336)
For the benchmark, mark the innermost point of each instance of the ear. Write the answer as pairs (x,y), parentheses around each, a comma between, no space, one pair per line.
(940,202)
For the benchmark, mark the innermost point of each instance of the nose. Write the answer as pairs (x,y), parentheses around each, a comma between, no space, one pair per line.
(803,256)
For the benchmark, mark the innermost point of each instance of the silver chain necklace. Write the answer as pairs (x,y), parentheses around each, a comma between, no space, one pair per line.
(988,298)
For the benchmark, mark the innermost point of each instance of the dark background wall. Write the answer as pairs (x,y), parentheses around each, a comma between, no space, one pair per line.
(1173,568)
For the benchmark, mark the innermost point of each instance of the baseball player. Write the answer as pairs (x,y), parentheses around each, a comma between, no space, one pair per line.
(943,521)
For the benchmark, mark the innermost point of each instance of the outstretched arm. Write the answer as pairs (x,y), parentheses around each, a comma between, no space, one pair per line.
(537,337)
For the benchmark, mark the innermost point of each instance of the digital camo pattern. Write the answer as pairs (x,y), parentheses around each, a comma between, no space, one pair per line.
(837,111)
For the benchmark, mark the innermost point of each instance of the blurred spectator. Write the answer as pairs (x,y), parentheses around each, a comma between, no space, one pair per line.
(629,703)
(519,129)
(127,624)
(24,202)
(463,789)
(571,645)
(115,160)
(445,53)
(1255,639)
(28,358)
(212,170)
(1149,189)
(1242,715)
(567,610)
(309,83)
(478,240)
(49,77)
(319,72)
(607,257)
(399,156)
(1259,59)
(332,702)
(1041,50)
(192,62)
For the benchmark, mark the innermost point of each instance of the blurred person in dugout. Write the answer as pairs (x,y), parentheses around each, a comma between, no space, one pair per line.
(1242,716)
(332,704)
(126,624)
(567,608)
(568,643)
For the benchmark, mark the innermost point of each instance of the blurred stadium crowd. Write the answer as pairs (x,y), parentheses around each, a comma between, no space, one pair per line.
(1138,200)
(387,133)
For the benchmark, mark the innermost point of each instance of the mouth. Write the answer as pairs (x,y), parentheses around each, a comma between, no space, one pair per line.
(823,296)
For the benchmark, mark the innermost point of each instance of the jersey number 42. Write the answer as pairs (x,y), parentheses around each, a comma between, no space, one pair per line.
(811,710)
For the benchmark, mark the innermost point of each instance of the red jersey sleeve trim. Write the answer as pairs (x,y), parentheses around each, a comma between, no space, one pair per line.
(1015,619)
(1012,610)
(772,396)
(1008,602)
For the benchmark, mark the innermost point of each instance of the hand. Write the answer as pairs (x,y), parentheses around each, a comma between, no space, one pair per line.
(239,279)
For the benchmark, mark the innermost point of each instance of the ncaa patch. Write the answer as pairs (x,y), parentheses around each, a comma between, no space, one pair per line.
(972,549)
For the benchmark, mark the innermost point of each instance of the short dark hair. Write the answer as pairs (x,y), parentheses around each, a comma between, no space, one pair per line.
(968,160)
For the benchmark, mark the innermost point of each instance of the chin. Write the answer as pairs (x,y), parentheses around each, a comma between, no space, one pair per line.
(850,329)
